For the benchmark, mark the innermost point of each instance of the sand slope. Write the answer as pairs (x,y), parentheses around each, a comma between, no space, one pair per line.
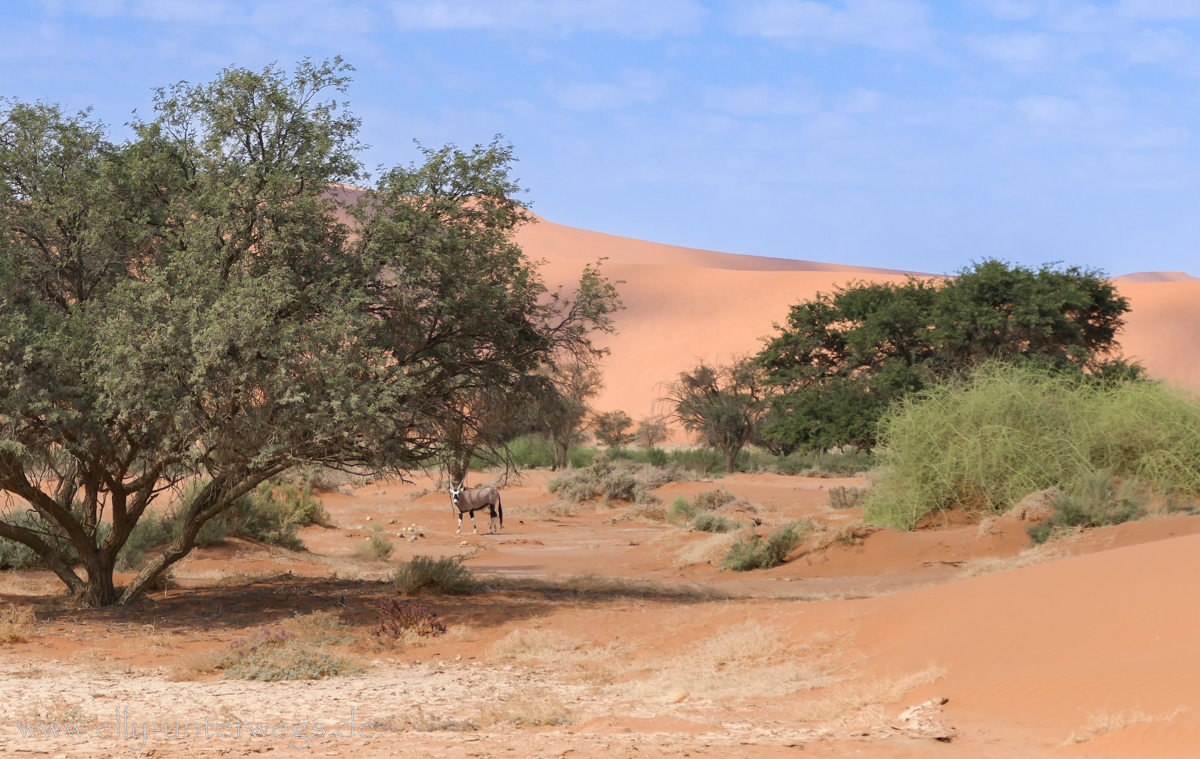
(1056,645)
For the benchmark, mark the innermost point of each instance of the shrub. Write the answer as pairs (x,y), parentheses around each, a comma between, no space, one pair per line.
(281,655)
(706,522)
(399,618)
(682,510)
(607,479)
(1100,500)
(16,624)
(376,546)
(445,576)
(270,514)
(711,500)
(757,553)
(846,498)
(983,442)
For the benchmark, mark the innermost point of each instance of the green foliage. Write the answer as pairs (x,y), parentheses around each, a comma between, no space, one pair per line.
(538,452)
(720,404)
(205,298)
(151,531)
(843,358)
(612,429)
(445,576)
(707,522)
(758,553)
(985,441)
(682,510)
(1098,500)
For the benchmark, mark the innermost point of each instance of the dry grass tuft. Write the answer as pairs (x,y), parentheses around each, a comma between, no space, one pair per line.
(194,666)
(648,512)
(546,645)
(1103,723)
(1040,554)
(418,721)
(17,625)
(845,536)
(709,549)
(858,701)
(532,708)
(747,661)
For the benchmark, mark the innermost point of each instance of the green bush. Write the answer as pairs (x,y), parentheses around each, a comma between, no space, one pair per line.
(985,441)
(759,553)
(150,531)
(445,576)
(706,522)
(681,510)
(1099,501)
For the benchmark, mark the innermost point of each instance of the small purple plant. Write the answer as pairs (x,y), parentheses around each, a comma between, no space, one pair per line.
(398,616)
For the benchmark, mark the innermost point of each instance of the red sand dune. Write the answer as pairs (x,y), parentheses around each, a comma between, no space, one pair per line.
(685,304)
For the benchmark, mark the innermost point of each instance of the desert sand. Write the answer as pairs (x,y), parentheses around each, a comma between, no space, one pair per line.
(1078,649)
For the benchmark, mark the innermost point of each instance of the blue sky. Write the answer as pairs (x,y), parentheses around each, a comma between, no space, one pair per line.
(891,133)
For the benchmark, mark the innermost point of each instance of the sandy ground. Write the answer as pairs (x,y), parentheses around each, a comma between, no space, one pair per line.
(1077,649)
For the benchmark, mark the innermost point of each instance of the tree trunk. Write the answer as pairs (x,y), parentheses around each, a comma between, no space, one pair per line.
(731,455)
(99,590)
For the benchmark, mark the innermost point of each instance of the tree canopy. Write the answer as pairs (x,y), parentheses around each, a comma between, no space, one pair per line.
(195,303)
(842,358)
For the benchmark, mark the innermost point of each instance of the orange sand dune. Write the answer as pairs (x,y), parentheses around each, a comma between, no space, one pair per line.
(685,304)
(1047,649)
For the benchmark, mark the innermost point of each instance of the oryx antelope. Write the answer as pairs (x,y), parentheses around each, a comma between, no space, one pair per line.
(469,500)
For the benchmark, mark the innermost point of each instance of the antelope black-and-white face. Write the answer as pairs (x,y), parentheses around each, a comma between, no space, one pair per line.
(454,492)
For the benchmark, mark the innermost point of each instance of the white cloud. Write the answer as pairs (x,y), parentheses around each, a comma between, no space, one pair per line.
(634,87)
(1160,9)
(889,24)
(1021,49)
(763,99)
(627,18)
(1010,10)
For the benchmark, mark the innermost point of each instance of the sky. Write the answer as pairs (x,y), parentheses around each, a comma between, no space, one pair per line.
(893,133)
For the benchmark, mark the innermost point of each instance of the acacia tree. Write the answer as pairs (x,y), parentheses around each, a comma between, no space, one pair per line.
(651,431)
(842,358)
(562,407)
(194,302)
(449,222)
(720,404)
(612,429)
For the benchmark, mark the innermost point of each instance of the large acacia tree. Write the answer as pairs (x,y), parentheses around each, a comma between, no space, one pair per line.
(843,357)
(195,301)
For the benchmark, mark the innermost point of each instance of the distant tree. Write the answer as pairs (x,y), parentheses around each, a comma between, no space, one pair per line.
(843,358)
(722,405)
(613,429)
(562,406)
(194,304)
(651,431)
